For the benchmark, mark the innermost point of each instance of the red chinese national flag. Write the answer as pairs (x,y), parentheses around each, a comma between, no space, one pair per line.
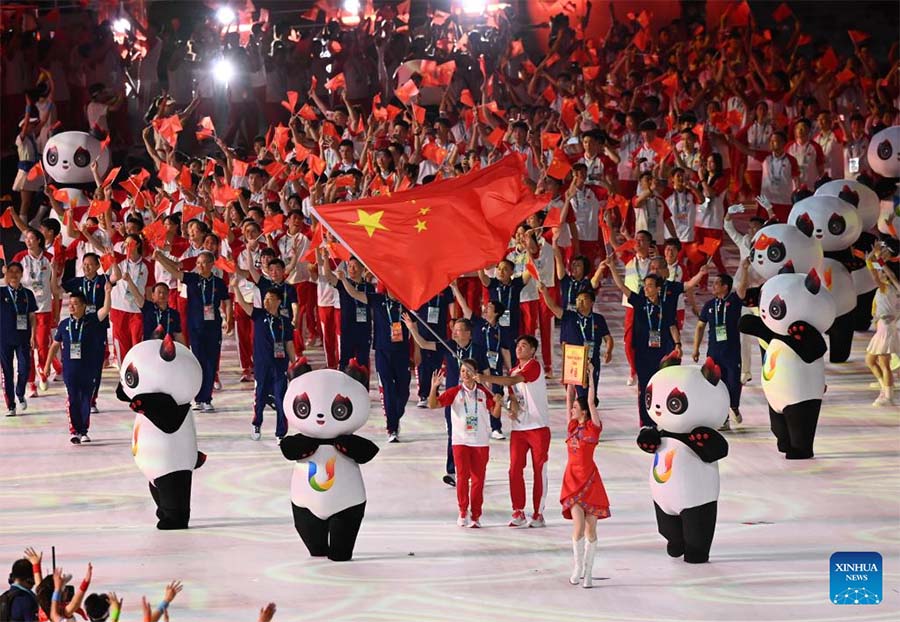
(740,15)
(858,36)
(35,171)
(452,226)
(167,173)
(782,13)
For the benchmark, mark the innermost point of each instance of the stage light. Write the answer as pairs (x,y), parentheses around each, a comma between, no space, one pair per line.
(474,7)
(225,15)
(121,26)
(351,6)
(223,70)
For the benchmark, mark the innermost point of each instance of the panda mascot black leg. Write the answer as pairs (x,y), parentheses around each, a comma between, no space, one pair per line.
(670,528)
(313,531)
(343,528)
(840,338)
(801,419)
(862,314)
(779,427)
(699,525)
(173,499)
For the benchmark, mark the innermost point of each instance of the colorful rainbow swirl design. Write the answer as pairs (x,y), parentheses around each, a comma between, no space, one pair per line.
(768,370)
(329,470)
(134,439)
(664,477)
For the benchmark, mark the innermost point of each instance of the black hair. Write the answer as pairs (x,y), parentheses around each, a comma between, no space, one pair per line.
(276,291)
(277,261)
(52,224)
(15,264)
(656,279)
(42,242)
(672,242)
(96,606)
(499,307)
(465,322)
(727,280)
(529,339)
(93,256)
(587,291)
(21,571)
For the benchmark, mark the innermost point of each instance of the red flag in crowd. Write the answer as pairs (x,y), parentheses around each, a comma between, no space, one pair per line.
(829,60)
(740,15)
(406,92)
(35,171)
(98,208)
(291,103)
(858,36)
(6,220)
(133,184)
(782,13)
(451,226)
(167,173)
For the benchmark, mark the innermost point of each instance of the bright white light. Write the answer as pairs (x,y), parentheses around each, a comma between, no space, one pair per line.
(474,6)
(351,6)
(223,70)
(121,26)
(225,15)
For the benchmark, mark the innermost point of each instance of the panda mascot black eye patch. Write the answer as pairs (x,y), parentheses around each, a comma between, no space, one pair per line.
(132,378)
(302,407)
(341,408)
(777,308)
(53,156)
(677,402)
(885,150)
(82,157)
(776,252)
(836,224)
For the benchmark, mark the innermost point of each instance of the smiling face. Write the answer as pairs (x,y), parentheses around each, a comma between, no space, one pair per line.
(774,246)
(325,403)
(830,220)
(679,399)
(67,158)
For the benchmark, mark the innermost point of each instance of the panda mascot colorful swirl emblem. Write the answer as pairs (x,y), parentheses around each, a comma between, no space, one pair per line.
(158,379)
(686,403)
(794,311)
(324,408)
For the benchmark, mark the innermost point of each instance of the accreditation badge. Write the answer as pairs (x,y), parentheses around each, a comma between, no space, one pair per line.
(209,313)
(654,340)
(396,332)
(75,351)
(721,333)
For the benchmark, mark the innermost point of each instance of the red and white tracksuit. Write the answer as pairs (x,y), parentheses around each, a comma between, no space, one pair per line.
(530,433)
(125,315)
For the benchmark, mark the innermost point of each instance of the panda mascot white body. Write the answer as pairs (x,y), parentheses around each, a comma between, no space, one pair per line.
(687,404)
(868,209)
(834,222)
(66,161)
(794,311)
(324,408)
(158,379)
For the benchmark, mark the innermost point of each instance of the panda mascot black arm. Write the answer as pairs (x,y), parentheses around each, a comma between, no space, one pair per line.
(299,446)
(357,448)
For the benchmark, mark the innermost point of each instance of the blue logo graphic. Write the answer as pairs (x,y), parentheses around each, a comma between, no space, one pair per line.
(856,578)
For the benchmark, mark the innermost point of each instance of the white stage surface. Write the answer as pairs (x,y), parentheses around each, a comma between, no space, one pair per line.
(778,524)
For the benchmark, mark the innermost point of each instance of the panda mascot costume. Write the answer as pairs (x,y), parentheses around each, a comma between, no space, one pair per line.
(324,409)
(66,161)
(835,224)
(687,404)
(159,378)
(794,311)
(867,208)
(884,160)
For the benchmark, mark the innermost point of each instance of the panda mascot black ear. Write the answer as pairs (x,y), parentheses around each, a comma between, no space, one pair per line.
(787,268)
(848,195)
(821,181)
(801,193)
(812,282)
(670,360)
(167,349)
(711,371)
(298,368)
(98,133)
(358,372)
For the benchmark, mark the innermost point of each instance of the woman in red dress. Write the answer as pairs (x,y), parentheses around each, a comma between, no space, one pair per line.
(583,496)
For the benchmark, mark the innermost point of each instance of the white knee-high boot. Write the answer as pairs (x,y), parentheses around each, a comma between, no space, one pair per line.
(578,554)
(589,547)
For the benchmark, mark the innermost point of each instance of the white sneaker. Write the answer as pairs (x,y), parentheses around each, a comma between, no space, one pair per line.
(422,403)
(537,521)
(736,415)
(631,381)
(880,401)
(32,390)
(197,406)
(746,378)
(217,385)
(393,437)
(23,405)
(11,412)
(94,409)
(208,407)
(497,435)
(462,521)
(75,440)
(476,524)
(42,384)
(725,426)
(875,385)
(255,434)
(85,438)
(518,519)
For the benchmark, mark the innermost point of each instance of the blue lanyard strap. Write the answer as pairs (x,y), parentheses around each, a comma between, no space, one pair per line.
(80,330)
(270,321)
(584,322)
(508,289)
(719,304)
(203,284)
(159,317)
(487,336)
(466,402)
(14,295)
(460,351)
(388,309)
(92,285)
(647,306)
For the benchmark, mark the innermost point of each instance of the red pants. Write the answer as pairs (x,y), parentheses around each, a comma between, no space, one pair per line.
(178,302)
(529,313)
(520,442)
(306,303)
(43,330)
(128,331)
(244,330)
(471,289)
(754,180)
(471,465)
(702,232)
(330,323)
(629,348)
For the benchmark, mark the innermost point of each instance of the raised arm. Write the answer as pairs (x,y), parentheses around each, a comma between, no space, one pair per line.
(103,312)
(239,299)
(461,301)
(617,278)
(423,343)
(168,265)
(554,307)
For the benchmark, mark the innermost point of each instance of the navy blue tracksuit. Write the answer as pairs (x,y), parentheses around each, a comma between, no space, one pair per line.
(511,320)
(356,325)
(435,314)
(16,307)
(153,317)
(81,348)
(726,352)
(271,334)
(391,356)
(94,291)
(204,299)
(652,340)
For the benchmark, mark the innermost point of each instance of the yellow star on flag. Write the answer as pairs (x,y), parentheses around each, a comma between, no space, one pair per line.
(421,225)
(371,222)
(424,210)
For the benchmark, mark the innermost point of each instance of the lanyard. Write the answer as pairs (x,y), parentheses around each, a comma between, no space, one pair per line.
(92,285)
(14,294)
(488,329)
(80,330)
(647,306)
(720,304)
(159,317)
(463,353)
(388,309)
(582,323)
(508,288)
(203,284)
(270,321)
(465,401)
